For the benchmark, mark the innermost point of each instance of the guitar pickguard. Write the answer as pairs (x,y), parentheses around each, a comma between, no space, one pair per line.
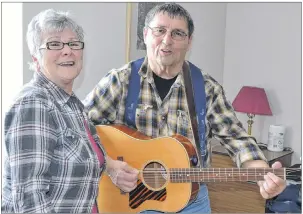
(142,193)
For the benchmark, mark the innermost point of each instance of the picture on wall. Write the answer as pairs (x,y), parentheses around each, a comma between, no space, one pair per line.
(143,9)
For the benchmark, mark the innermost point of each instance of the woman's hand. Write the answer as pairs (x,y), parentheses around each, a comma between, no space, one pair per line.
(122,175)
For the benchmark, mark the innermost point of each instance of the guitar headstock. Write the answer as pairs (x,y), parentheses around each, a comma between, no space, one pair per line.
(294,174)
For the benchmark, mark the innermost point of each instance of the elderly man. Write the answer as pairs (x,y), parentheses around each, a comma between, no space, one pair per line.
(162,108)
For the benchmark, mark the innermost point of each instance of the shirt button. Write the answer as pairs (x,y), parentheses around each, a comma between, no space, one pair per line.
(163,117)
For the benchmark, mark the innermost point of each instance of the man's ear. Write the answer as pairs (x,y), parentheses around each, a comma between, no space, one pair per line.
(144,34)
(190,42)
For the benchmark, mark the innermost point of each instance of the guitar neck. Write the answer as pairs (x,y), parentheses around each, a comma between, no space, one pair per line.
(184,175)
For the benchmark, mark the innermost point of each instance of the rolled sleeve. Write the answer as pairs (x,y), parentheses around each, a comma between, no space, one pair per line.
(229,130)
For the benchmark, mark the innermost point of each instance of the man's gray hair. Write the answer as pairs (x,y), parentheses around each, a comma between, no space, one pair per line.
(173,10)
(48,21)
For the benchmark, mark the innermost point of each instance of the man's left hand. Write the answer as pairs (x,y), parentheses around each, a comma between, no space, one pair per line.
(272,184)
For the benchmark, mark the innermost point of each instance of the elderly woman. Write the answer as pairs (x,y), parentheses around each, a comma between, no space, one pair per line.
(54,157)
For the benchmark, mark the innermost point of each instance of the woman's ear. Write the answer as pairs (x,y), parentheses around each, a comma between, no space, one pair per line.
(36,62)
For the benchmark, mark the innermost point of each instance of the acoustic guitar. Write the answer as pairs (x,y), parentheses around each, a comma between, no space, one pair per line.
(168,178)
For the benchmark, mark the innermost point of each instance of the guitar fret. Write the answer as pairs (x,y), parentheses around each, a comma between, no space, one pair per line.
(180,175)
(256,174)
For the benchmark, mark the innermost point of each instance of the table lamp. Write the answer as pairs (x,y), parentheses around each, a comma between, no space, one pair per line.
(252,100)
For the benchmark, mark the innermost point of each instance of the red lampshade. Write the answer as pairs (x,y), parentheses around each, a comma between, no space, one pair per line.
(252,100)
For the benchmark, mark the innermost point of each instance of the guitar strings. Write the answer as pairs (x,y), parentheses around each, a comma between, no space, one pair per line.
(150,174)
(206,178)
(219,169)
(211,176)
(176,179)
(232,178)
(211,172)
(236,170)
(160,176)
(217,174)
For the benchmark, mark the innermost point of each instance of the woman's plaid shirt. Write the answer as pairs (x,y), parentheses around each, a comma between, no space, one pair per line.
(50,166)
(154,117)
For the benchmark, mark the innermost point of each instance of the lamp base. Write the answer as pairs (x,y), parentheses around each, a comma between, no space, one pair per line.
(250,122)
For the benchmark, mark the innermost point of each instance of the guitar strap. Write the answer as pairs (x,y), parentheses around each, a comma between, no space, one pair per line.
(195,94)
(197,111)
(133,93)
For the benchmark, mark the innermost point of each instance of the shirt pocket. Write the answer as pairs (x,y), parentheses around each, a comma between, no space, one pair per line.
(179,122)
(147,120)
(73,146)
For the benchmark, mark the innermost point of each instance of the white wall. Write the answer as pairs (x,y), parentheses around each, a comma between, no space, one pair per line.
(263,49)
(11,71)
(104,38)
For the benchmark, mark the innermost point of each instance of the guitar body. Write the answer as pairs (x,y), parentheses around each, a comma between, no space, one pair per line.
(154,191)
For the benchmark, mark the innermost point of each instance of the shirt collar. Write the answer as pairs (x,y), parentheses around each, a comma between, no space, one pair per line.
(146,72)
(61,96)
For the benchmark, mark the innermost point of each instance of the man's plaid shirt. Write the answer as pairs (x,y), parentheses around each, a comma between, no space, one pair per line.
(155,118)
(51,166)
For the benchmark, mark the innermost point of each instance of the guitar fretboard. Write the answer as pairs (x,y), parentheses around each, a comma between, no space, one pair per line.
(184,175)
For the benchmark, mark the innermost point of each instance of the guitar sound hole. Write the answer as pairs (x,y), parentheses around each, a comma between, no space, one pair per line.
(155,175)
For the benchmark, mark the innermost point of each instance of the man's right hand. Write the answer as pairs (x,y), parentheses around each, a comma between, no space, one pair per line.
(122,175)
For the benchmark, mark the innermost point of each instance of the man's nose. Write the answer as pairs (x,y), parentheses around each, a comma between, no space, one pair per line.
(167,39)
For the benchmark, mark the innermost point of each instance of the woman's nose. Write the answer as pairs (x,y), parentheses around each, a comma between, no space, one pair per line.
(66,49)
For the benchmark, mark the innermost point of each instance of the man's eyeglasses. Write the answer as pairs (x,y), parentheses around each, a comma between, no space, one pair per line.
(175,34)
(55,45)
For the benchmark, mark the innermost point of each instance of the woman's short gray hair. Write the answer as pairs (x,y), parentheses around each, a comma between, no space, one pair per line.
(48,21)
(173,10)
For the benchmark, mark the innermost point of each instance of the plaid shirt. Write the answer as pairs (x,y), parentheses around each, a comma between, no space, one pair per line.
(51,166)
(154,117)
